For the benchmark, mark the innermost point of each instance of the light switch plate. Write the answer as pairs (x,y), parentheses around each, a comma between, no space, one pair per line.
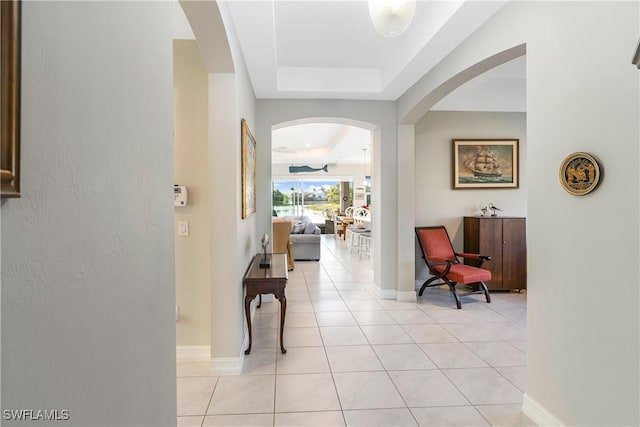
(183,228)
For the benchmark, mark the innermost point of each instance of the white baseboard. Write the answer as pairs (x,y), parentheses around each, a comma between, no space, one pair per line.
(407,296)
(217,366)
(538,414)
(192,353)
(381,293)
(392,294)
(388,293)
(232,365)
(226,365)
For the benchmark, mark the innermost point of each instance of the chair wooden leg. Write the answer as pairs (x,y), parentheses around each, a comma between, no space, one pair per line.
(426,284)
(452,286)
(486,292)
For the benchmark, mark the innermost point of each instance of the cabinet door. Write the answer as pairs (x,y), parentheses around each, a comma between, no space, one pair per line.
(471,238)
(491,245)
(514,253)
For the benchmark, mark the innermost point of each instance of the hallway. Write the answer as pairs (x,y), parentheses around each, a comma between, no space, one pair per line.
(357,360)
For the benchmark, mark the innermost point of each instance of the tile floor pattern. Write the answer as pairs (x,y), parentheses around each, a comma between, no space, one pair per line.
(357,360)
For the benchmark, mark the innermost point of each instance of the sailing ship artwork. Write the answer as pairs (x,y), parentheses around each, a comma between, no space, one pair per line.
(485,163)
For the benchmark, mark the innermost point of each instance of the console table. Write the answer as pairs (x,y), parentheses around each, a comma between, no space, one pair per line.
(272,280)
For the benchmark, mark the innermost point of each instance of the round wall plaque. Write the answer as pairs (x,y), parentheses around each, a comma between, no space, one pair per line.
(579,174)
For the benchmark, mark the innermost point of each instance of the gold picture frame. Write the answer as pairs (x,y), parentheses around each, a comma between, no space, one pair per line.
(248,171)
(485,163)
(580,173)
(10,11)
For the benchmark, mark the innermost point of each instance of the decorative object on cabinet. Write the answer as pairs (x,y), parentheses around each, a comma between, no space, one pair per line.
(504,239)
(579,174)
(444,265)
(494,208)
(485,163)
(248,171)
(10,89)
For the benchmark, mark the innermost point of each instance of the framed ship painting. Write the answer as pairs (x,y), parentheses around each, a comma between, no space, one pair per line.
(485,163)
(248,171)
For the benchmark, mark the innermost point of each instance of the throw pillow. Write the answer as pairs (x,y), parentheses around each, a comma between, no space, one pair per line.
(310,228)
(298,228)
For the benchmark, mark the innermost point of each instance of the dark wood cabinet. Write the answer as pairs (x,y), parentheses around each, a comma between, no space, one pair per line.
(504,239)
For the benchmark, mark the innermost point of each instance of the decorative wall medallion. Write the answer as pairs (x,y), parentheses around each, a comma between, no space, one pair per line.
(579,174)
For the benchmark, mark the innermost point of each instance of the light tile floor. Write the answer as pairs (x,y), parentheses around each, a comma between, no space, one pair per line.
(356,360)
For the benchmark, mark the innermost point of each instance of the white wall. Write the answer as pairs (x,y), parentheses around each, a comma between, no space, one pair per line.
(87,252)
(436,202)
(193,254)
(233,239)
(583,94)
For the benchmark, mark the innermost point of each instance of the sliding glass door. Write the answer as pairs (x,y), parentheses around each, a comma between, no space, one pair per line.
(312,197)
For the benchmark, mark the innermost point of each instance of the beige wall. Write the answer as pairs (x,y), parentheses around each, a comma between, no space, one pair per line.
(436,202)
(193,274)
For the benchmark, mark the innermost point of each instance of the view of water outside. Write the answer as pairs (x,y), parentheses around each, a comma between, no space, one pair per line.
(309,197)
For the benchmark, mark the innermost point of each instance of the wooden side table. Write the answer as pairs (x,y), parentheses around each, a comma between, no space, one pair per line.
(273,280)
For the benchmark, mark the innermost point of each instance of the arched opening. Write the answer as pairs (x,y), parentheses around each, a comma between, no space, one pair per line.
(433,92)
(438,89)
(430,143)
(321,166)
(379,119)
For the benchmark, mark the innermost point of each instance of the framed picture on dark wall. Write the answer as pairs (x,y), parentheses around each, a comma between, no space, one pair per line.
(10,90)
(248,171)
(485,163)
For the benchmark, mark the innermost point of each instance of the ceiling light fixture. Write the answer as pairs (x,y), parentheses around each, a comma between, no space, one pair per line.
(391,17)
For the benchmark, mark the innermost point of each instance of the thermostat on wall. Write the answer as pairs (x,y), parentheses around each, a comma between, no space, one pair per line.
(179,195)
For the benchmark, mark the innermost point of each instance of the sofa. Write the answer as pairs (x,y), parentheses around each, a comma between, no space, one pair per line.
(305,239)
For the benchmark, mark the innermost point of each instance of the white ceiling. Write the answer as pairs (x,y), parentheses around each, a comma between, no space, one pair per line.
(322,49)
(329,49)
(320,143)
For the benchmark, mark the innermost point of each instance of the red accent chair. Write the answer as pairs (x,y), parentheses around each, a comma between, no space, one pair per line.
(443,263)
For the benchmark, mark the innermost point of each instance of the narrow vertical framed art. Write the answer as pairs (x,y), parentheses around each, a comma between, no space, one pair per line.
(10,94)
(248,171)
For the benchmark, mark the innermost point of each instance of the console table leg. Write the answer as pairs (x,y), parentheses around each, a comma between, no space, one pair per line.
(247,312)
(283,311)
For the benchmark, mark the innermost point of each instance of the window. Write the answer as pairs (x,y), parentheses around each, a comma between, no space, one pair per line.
(314,198)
